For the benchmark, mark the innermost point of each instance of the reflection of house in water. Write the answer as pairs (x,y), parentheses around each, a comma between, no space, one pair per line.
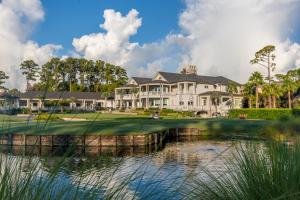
(195,154)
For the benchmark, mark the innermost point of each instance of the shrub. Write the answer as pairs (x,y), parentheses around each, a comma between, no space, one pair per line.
(263,113)
(286,127)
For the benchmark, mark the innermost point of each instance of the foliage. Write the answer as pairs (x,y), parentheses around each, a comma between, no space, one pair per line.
(263,113)
(265,57)
(255,171)
(3,77)
(76,74)
(30,69)
(286,127)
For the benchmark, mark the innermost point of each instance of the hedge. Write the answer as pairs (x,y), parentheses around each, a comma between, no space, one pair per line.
(262,113)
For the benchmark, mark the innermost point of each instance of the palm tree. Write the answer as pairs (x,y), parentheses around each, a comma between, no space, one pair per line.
(215,99)
(289,84)
(30,69)
(3,78)
(232,89)
(256,79)
(248,93)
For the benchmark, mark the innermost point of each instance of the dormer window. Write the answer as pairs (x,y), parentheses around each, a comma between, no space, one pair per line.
(215,86)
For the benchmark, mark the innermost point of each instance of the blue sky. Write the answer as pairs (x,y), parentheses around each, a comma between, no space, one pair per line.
(146,36)
(65,20)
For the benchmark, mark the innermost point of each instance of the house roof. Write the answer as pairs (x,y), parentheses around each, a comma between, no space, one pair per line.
(141,80)
(176,77)
(62,95)
(6,95)
(218,93)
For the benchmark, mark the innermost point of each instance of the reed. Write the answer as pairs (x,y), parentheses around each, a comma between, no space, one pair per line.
(269,171)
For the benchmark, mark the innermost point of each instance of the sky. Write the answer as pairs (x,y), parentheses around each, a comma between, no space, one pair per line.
(218,36)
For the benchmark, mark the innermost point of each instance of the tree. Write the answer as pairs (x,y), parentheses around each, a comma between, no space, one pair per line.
(71,65)
(215,99)
(232,89)
(265,57)
(289,84)
(248,91)
(30,69)
(3,78)
(256,79)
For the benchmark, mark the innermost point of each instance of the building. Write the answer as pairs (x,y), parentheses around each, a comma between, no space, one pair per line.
(40,100)
(184,91)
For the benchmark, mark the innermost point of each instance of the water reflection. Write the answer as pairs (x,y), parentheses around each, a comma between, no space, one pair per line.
(158,170)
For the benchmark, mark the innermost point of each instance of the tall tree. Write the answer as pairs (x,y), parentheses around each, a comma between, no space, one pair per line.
(232,89)
(256,79)
(71,65)
(3,78)
(289,84)
(30,69)
(265,57)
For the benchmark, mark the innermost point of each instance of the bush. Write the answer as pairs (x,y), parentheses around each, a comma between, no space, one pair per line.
(48,117)
(286,127)
(263,113)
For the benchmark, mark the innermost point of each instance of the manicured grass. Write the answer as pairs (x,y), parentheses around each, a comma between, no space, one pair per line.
(112,124)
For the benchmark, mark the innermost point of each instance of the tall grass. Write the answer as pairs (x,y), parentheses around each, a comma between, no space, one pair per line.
(270,171)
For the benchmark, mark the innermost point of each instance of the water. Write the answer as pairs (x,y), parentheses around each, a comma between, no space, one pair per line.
(142,173)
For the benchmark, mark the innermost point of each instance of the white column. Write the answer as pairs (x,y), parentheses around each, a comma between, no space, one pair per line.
(140,100)
(186,88)
(147,98)
(28,103)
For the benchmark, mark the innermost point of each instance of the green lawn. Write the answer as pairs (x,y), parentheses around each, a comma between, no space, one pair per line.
(112,124)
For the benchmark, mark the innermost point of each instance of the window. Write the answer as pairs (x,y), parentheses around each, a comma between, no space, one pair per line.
(190,103)
(23,103)
(34,104)
(204,101)
(215,86)
(206,86)
(181,103)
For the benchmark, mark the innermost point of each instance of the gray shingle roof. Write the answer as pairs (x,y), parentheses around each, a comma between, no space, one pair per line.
(219,93)
(62,95)
(141,80)
(176,77)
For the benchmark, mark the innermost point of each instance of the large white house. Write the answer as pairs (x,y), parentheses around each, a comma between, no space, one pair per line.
(184,91)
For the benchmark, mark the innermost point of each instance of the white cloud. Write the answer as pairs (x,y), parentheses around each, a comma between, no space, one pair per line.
(225,34)
(114,44)
(17,20)
(219,36)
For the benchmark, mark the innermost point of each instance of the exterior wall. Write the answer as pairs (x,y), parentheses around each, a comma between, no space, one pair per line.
(185,96)
(36,104)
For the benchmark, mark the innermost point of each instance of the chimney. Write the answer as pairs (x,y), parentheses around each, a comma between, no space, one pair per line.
(189,69)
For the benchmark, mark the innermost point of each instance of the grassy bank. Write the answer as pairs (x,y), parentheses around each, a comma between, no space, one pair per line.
(110,124)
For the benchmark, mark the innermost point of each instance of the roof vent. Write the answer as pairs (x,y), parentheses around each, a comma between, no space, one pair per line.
(189,69)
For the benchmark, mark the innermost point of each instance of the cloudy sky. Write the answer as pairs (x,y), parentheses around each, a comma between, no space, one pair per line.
(219,36)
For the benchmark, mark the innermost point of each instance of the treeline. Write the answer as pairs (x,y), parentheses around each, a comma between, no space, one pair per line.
(73,74)
(271,91)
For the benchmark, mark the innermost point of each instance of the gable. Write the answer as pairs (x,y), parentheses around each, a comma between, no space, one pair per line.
(160,77)
(132,82)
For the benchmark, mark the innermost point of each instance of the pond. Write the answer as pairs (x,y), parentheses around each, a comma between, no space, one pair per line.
(151,173)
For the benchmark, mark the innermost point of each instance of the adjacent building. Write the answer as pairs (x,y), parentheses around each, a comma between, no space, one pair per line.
(184,91)
(40,100)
